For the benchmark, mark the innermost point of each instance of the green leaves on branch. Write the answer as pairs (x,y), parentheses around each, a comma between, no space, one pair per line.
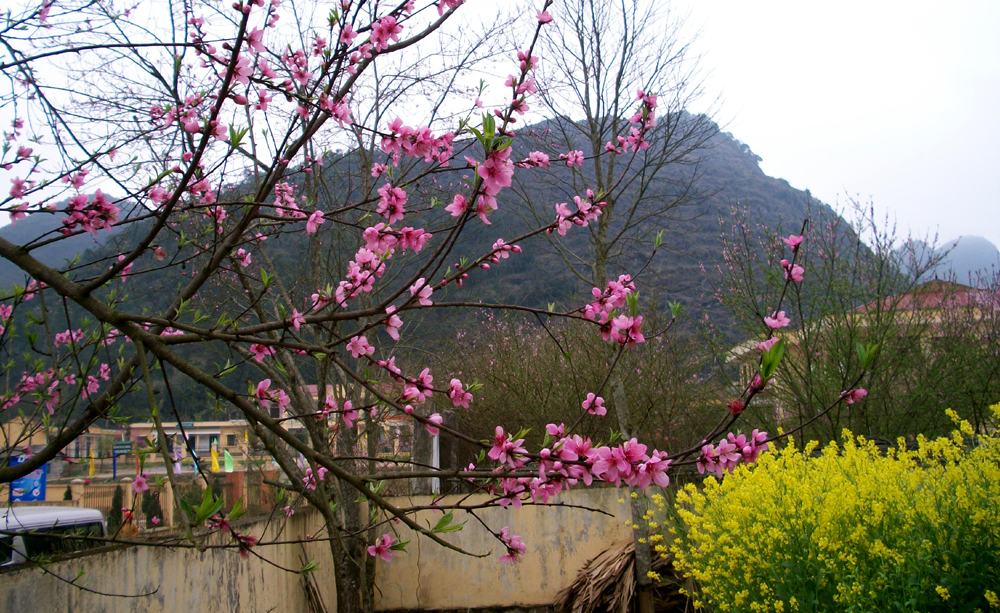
(770,360)
(632,300)
(444,525)
(866,354)
(210,505)
(236,136)
(238,510)
(311,566)
(228,368)
(489,127)
(488,135)
(377,488)
(401,545)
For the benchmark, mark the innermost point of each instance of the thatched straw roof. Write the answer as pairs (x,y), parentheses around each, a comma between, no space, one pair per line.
(606,584)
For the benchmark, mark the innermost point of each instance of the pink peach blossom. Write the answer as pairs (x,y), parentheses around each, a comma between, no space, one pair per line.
(777,320)
(383,547)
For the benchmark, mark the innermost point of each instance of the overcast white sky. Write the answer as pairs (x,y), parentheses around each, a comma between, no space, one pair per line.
(898,102)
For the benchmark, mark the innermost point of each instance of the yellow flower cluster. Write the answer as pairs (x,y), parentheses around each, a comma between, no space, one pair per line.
(649,525)
(854,528)
(991,597)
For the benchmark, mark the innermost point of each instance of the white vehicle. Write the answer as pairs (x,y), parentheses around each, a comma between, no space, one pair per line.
(34,532)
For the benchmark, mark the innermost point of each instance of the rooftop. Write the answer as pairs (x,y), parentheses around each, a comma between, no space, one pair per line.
(30,518)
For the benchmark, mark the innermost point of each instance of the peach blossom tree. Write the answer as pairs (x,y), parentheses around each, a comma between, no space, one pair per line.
(194,140)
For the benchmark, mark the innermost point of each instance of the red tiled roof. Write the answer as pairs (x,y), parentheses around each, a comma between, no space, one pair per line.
(936,294)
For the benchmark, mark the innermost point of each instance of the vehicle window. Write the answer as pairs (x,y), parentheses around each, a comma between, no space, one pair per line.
(53,542)
(6,549)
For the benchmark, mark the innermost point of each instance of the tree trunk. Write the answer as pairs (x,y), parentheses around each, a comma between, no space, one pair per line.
(349,557)
(637,506)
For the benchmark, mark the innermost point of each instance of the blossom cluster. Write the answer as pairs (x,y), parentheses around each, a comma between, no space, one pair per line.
(731,451)
(44,386)
(405,141)
(265,395)
(89,215)
(642,122)
(6,312)
(585,212)
(573,459)
(515,548)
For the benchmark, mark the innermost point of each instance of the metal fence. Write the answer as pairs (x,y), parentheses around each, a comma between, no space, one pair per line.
(100,496)
(258,497)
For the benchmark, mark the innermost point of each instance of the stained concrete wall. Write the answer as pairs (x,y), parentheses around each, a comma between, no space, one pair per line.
(185,580)
(426,577)
(559,539)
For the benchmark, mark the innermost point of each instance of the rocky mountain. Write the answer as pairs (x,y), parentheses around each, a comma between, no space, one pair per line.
(727,175)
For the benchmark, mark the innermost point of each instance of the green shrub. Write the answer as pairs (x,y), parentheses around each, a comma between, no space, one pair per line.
(115,518)
(151,507)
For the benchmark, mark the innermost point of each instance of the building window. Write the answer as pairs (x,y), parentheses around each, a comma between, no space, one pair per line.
(404,437)
(230,440)
(387,441)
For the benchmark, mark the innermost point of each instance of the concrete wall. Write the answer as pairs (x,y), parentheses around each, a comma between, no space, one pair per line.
(427,576)
(185,580)
(559,539)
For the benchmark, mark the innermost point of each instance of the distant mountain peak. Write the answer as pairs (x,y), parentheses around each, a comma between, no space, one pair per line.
(966,258)
(56,254)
